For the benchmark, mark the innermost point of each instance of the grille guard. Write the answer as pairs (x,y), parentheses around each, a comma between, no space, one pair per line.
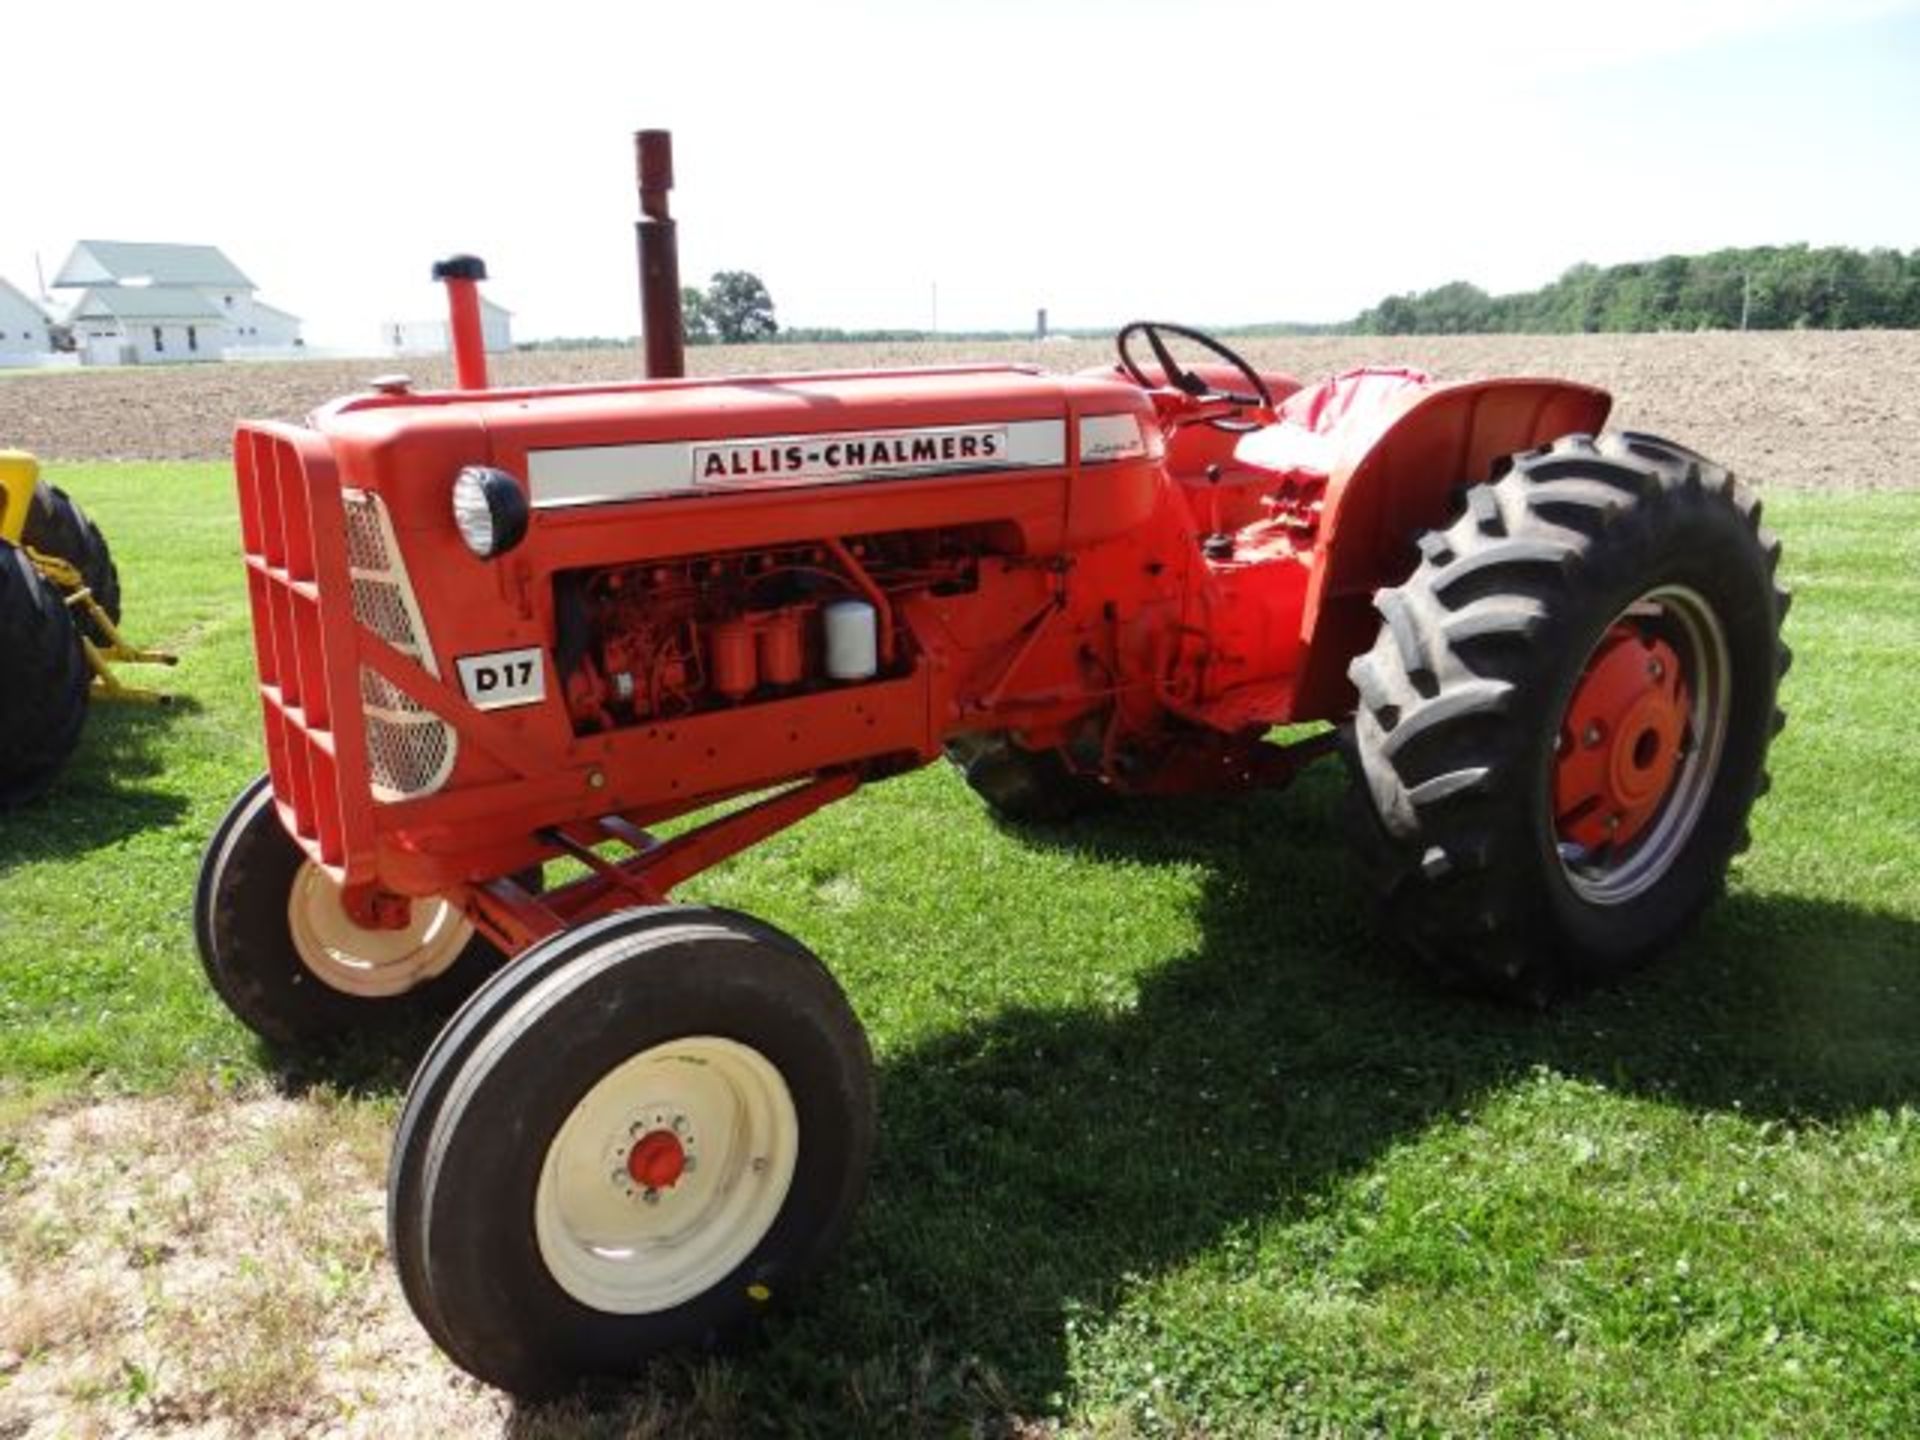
(306,644)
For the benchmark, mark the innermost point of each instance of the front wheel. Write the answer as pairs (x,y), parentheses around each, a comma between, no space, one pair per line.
(292,964)
(698,1151)
(1564,720)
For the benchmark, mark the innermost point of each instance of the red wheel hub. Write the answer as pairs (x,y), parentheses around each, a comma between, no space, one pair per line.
(657,1160)
(1620,741)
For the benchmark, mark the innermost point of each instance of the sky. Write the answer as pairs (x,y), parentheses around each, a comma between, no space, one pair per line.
(909,164)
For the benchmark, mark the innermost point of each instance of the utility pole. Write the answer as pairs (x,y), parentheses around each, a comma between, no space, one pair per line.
(933,323)
(1746,296)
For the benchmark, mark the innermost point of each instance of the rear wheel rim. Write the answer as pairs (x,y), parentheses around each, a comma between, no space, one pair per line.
(373,964)
(666,1175)
(1620,825)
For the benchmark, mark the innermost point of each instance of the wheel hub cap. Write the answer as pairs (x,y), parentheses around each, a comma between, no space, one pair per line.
(1621,742)
(657,1160)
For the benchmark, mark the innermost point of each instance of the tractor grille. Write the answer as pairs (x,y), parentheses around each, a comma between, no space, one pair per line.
(305,644)
(410,750)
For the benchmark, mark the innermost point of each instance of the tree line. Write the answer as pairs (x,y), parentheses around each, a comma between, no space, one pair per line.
(1768,287)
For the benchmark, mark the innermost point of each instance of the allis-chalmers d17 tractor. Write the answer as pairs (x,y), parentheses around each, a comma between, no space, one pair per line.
(501,628)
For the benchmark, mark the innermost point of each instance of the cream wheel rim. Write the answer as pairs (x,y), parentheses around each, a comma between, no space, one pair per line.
(666,1176)
(373,964)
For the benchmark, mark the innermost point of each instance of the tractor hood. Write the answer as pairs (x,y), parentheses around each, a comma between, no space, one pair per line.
(591,446)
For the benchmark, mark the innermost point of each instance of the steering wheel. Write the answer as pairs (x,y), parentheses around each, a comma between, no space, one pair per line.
(1186,381)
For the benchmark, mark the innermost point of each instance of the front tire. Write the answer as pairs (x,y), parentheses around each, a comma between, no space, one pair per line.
(700,1152)
(1564,720)
(292,965)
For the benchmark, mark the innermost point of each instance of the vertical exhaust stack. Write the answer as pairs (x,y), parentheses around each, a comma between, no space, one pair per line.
(661,324)
(462,275)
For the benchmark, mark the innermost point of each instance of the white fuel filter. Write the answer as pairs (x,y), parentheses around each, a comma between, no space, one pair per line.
(852,628)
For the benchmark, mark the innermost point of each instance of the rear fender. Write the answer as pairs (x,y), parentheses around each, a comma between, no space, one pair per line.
(1398,480)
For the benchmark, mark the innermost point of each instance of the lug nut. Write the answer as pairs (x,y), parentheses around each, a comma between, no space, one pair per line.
(1592,736)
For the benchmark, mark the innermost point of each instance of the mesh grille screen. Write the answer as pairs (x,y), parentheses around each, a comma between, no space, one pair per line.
(366,546)
(380,606)
(409,749)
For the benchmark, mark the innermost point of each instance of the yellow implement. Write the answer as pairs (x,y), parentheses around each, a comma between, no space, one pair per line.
(19,477)
(19,474)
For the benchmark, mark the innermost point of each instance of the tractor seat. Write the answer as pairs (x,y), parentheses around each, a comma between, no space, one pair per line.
(1315,423)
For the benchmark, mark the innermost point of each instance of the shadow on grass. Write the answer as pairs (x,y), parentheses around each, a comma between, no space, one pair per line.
(1033,1162)
(370,1064)
(105,793)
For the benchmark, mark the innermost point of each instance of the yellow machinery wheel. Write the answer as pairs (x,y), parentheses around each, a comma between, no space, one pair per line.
(46,684)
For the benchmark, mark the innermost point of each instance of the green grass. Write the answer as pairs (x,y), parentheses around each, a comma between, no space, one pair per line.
(1167,1144)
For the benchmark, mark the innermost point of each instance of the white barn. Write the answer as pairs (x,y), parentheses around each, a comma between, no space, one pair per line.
(141,301)
(433,337)
(23,328)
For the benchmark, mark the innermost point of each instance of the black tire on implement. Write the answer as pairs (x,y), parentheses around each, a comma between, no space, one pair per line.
(1463,696)
(1027,787)
(242,924)
(47,684)
(57,526)
(497,1141)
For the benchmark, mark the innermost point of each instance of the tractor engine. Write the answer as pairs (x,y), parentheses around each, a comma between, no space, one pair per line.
(666,639)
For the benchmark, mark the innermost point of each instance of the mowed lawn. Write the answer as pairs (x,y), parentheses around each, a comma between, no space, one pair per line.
(1168,1143)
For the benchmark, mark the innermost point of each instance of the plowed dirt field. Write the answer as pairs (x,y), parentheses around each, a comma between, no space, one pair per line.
(1796,410)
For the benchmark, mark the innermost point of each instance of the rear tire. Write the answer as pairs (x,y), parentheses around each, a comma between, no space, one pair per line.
(1027,787)
(57,526)
(1461,757)
(290,964)
(716,1045)
(43,702)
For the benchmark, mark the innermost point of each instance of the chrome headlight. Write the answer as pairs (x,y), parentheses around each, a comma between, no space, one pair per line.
(490,509)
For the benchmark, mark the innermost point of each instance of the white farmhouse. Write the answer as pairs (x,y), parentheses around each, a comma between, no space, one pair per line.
(23,328)
(143,302)
(432,337)
(142,324)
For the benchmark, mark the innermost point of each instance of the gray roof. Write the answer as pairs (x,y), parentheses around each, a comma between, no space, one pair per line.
(107,262)
(14,292)
(144,302)
(275,310)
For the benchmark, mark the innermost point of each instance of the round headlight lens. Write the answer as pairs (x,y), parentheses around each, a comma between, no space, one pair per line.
(490,509)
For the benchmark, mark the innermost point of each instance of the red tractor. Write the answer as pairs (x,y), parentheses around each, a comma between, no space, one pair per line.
(501,628)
